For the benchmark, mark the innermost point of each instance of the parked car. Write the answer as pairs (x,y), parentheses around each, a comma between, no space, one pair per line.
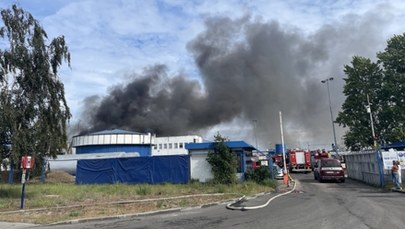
(280,174)
(329,169)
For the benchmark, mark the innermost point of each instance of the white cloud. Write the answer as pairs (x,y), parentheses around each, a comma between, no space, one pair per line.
(109,39)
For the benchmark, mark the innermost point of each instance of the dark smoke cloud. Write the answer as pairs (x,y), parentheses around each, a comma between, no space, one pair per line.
(152,102)
(265,71)
(250,70)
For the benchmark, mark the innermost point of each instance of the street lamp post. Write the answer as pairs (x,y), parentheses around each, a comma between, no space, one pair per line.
(330,109)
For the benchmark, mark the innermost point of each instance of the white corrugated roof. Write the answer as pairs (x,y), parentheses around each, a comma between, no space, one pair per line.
(114,131)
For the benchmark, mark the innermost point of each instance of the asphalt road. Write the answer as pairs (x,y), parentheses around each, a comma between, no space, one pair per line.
(312,205)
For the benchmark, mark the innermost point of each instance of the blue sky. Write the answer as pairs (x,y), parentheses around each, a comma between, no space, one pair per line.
(111,39)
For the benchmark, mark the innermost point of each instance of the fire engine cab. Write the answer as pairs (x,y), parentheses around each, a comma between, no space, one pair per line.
(300,160)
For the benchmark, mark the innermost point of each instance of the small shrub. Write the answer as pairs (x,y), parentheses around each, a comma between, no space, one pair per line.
(143,190)
(223,162)
(269,183)
(258,175)
(160,204)
(74,214)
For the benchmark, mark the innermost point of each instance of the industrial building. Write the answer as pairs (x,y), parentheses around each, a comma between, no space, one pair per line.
(113,141)
(174,145)
(200,169)
(122,156)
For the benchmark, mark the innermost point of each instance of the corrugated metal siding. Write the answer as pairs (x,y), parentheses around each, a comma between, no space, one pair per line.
(142,150)
(363,166)
(106,139)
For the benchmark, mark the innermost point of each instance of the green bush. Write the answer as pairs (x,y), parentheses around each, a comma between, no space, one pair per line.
(269,183)
(223,162)
(258,175)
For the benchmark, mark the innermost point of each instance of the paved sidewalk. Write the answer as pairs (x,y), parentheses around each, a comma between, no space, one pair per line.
(6,225)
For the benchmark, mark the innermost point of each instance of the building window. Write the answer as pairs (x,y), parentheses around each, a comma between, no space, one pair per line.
(180,145)
(176,145)
(170,145)
(154,146)
(165,146)
(160,146)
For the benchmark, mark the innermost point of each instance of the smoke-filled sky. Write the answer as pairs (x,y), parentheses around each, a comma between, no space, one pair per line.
(175,67)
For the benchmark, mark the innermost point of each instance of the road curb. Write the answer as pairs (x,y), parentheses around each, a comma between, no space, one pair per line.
(85,220)
(150,213)
(157,212)
(397,190)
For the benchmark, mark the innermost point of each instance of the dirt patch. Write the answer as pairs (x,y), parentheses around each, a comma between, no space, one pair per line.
(59,177)
(53,215)
(56,177)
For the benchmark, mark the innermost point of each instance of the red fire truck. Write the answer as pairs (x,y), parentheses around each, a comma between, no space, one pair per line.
(317,155)
(300,160)
(259,160)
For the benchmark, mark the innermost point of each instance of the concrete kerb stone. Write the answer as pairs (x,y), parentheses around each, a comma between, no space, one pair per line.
(12,225)
(86,220)
(9,225)
(398,190)
(165,211)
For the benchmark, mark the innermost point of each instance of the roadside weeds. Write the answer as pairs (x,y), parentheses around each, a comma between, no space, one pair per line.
(75,212)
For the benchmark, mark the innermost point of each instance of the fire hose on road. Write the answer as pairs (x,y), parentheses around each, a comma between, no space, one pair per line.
(243,198)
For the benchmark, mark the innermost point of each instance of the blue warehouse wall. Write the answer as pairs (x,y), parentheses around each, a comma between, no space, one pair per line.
(143,150)
(134,170)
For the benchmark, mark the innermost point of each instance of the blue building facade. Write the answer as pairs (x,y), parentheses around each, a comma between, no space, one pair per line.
(200,168)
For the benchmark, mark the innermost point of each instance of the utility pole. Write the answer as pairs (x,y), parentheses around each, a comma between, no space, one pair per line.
(285,172)
(368,107)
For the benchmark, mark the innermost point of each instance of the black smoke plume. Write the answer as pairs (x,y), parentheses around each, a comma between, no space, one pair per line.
(250,70)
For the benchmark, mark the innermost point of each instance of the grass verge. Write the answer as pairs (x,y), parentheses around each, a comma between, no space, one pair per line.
(54,202)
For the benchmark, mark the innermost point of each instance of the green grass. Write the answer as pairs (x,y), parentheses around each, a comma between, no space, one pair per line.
(62,194)
(54,202)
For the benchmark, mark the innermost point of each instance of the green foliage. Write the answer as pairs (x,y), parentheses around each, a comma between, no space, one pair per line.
(258,175)
(143,190)
(33,109)
(74,213)
(272,183)
(60,197)
(393,89)
(223,162)
(384,83)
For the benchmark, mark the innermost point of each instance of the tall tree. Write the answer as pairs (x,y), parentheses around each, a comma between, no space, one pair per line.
(384,83)
(363,79)
(393,88)
(33,109)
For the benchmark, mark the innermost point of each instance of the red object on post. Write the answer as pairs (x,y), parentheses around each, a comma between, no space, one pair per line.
(27,162)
